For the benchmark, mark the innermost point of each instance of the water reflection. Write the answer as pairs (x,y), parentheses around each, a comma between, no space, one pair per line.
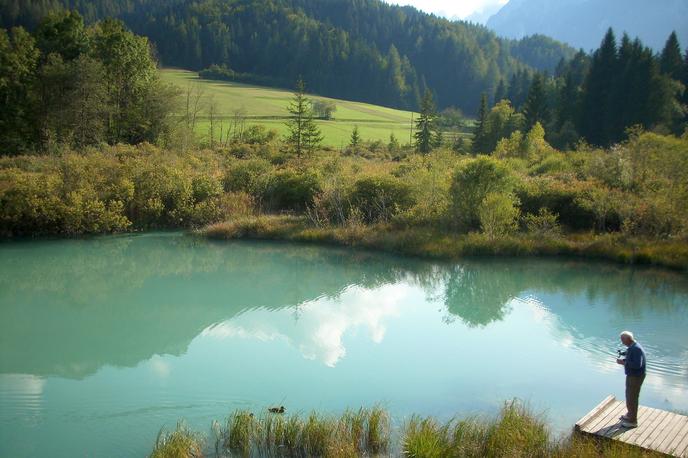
(72,307)
(317,327)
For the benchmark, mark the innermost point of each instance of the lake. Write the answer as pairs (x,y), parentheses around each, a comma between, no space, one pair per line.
(106,340)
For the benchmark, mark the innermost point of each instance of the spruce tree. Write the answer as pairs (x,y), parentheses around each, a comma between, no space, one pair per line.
(355,140)
(596,104)
(480,136)
(567,105)
(425,125)
(671,62)
(304,135)
(535,108)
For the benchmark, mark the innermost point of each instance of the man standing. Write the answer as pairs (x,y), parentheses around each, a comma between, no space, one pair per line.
(634,366)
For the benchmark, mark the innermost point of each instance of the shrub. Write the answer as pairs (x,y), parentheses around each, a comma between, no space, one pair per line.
(471,183)
(544,224)
(651,217)
(380,197)
(30,202)
(498,214)
(291,189)
(247,176)
(259,135)
(560,196)
(330,207)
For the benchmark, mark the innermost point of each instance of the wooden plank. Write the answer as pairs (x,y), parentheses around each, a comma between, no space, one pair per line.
(648,417)
(601,418)
(669,429)
(605,418)
(682,449)
(598,409)
(673,444)
(651,433)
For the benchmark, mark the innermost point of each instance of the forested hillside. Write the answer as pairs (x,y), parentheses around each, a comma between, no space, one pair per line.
(362,50)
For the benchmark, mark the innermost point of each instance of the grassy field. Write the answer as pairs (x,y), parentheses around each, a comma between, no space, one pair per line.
(267,106)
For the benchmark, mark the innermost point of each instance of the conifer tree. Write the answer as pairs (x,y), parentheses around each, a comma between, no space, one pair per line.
(355,141)
(567,102)
(304,135)
(425,125)
(596,103)
(480,136)
(670,61)
(535,109)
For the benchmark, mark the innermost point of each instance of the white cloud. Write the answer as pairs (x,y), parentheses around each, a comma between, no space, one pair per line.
(452,8)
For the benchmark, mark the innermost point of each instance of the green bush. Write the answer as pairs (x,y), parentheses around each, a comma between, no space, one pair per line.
(247,176)
(471,183)
(559,196)
(114,190)
(291,189)
(651,217)
(379,197)
(544,224)
(498,214)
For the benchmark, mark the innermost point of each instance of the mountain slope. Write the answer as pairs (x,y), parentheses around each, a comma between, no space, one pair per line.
(581,23)
(364,50)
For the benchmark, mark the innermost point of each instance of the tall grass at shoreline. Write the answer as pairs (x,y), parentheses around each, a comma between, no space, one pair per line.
(436,243)
(515,432)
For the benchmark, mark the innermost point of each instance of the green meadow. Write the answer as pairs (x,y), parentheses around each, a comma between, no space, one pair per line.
(268,107)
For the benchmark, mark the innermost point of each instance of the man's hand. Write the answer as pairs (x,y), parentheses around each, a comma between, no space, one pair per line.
(620,361)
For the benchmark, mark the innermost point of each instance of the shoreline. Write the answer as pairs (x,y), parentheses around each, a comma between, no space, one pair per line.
(427,243)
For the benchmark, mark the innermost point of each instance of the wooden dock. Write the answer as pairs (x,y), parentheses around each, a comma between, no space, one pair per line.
(657,430)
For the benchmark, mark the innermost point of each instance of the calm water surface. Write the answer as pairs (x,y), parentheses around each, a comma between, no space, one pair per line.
(104,341)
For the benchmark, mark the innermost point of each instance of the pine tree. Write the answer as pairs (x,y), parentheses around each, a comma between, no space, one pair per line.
(438,139)
(596,106)
(567,105)
(670,61)
(535,109)
(480,136)
(425,125)
(355,140)
(304,135)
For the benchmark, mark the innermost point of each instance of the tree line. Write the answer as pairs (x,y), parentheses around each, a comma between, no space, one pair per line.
(68,84)
(363,50)
(595,98)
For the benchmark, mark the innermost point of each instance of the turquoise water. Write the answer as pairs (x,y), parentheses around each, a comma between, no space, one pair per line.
(105,341)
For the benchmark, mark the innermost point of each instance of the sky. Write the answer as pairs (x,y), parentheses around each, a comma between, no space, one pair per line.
(476,10)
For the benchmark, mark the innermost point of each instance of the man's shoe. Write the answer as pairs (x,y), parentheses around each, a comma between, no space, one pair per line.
(624,418)
(629,424)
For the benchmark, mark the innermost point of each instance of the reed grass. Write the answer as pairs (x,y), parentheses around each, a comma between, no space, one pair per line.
(180,443)
(515,432)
